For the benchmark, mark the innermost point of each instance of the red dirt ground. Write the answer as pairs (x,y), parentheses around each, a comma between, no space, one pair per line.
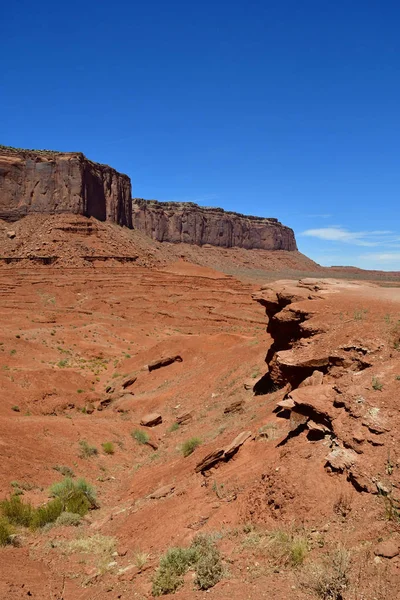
(68,333)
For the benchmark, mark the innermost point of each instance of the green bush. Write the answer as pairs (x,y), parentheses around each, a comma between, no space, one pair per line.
(209,568)
(5,532)
(48,513)
(190,446)
(75,496)
(169,575)
(108,448)
(203,556)
(16,511)
(140,436)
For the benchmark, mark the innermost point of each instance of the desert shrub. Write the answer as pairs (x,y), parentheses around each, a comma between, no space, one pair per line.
(108,448)
(75,496)
(329,580)
(69,519)
(140,436)
(86,450)
(16,511)
(48,513)
(376,384)
(203,556)
(174,427)
(66,471)
(5,532)
(190,446)
(208,563)
(169,575)
(288,547)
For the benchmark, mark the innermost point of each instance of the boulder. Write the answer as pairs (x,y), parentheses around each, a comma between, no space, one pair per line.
(341,459)
(151,420)
(315,379)
(163,362)
(387,549)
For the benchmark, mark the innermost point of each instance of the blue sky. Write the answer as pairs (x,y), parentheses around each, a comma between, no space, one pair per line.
(285,109)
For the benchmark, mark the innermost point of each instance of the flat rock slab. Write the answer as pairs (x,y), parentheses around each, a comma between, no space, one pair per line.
(317,402)
(209,461)
(387,549)
(163,362)
(151,420)
(286,404)
(234,446)
(235,407)
(184,418)
(162,492)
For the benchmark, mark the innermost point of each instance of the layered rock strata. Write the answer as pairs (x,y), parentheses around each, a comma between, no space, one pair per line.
(192,224)
(48,182)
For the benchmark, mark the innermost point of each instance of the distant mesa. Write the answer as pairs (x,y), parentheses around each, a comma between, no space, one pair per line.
(192,224)
(50,182)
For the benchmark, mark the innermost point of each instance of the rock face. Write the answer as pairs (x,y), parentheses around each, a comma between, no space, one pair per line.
(53,182)
(187,222)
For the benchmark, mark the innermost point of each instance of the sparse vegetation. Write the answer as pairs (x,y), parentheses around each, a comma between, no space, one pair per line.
(141,559)
(190,446)
(289,547)
(140,436)
(174,427)
(87,451)
(69,519)
(108,448)
(376,384)
(203,556)
(66,471)
(343,503)
(329,579)
(15,408)
(96,544)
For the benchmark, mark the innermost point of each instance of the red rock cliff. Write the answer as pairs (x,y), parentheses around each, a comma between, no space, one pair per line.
(193,224)
(53,182)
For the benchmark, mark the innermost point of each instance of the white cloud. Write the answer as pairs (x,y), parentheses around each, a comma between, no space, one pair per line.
(336,233)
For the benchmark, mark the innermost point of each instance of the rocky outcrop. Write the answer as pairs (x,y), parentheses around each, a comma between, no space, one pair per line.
(54,182)
(192,224)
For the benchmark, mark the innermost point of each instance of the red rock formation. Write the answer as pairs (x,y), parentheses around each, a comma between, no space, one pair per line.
(187,222)
(54,182)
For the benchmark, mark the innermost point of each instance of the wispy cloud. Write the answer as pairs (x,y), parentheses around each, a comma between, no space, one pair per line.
(326,216)
(382,257)
(336,233)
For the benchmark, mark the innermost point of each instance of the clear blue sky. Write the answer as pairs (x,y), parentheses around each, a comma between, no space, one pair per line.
(287,109)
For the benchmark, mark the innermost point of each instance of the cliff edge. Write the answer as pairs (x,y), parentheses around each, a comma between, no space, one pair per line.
(47,182)
(192,224)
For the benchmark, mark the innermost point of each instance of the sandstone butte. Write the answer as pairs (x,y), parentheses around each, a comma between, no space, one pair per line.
(49,182)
